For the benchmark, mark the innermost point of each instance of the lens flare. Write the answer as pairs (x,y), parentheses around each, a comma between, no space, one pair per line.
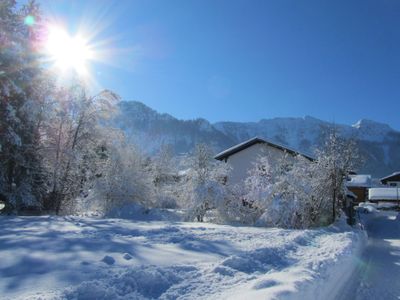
(68,52)
(29,20)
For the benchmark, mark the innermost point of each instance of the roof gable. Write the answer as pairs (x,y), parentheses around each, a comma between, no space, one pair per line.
(256,140)
(392,177)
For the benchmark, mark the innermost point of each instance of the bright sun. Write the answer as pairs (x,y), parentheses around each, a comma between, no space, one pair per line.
(68,52)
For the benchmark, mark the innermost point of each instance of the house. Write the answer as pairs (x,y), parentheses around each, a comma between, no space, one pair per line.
(242,157)
(359,185)
(390,193)
(391,180)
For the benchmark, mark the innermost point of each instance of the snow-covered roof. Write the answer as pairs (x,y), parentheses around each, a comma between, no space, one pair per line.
(256,140)
(359,181)
(387,178)
(384,194)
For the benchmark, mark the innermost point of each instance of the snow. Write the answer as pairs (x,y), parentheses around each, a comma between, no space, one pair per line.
(109,260)
(367,207)
(378,270)
(90,258)
(134,211)
(384,194)
(359,181)
(386,205)
(371,131)
(374,207)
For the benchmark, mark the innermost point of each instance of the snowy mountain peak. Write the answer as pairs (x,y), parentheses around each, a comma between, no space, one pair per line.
(369,124)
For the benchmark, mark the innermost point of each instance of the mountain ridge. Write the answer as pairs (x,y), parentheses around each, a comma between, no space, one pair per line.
(379,143)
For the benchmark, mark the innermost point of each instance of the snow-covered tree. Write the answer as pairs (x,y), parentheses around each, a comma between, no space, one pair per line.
(235,207)
(256,196)
(54,138)
(260,188)
(312,193)
(163,168)
(24,87)
(163,164)
(205,182)
(76,137)
(297,192)
(333,164)
(122,179)
(291,199)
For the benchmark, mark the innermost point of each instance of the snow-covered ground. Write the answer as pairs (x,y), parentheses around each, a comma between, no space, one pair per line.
(378,273)
(89,258)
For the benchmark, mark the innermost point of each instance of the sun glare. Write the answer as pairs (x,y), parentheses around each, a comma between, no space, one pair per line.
(68,52)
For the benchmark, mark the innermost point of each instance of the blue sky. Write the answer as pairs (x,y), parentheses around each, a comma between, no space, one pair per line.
(247,60)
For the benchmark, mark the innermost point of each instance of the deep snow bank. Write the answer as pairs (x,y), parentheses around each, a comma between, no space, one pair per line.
(331,276)
(86,258)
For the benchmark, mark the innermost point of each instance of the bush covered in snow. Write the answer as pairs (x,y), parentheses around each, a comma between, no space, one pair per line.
(204,186)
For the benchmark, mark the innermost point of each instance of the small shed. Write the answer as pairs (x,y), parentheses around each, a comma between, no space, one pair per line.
(359,185)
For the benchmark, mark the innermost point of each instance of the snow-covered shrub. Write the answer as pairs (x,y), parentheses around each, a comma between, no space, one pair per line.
(290,199)
(235,208)
(165,178)
(204,186)
(123,179)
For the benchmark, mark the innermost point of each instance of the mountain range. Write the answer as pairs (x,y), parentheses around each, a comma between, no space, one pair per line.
(379,143)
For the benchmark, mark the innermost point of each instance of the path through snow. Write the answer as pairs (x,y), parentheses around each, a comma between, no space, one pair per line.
(378,272)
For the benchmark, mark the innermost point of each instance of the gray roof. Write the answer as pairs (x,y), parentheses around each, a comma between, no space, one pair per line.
(256,140)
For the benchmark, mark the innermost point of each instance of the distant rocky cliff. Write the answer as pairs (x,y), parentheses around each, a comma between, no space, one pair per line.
(379,143)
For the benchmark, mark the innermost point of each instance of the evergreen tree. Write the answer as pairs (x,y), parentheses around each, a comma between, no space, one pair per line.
(22,86)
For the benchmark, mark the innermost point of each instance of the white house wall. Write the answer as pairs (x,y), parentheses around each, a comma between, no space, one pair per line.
(241,162)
